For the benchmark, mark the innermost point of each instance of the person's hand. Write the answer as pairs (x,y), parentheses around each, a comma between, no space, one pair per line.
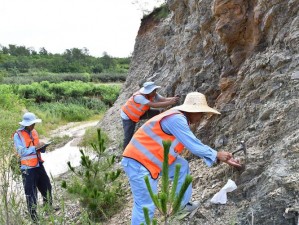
(227,157)
(234,162)
(176,99)
(224,156)
(40,144)
(173,100)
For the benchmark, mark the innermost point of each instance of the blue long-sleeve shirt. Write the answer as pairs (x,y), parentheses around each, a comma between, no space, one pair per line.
(22,148)
(177,125)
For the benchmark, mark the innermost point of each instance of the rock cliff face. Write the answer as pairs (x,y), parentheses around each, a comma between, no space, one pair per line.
(244,56)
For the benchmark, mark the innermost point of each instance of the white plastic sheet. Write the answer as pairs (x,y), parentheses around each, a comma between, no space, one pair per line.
(220,197)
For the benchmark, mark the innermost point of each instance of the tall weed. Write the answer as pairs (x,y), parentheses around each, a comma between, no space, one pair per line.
(11,205)
(60,111)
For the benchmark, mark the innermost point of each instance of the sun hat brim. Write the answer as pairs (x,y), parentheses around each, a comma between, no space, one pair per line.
(194,109)
(29,123)
(148,89)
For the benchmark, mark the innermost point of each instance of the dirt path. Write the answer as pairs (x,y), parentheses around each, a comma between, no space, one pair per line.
(56,165)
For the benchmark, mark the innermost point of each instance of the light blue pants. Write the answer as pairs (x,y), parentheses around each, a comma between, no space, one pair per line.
(136,173)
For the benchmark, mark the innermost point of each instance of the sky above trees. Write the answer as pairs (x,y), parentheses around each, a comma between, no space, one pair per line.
(98,25)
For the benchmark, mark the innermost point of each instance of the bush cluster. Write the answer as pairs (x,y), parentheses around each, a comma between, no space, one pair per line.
(66,101)
(27,78)
(48,92)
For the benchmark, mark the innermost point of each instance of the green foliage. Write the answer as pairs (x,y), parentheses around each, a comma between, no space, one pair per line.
(39,93)
(14,164)
(42,76)
(107,61)
(10,111)
(167,202)
(147,218)
(67,112)
(46,92)
(10,204)
(162,12)
(108,77)
(96,182)
(53,103)
(9,100)
(68,101)
(108,93)
(91,136)
(19,59)
(2,74)
(158,14)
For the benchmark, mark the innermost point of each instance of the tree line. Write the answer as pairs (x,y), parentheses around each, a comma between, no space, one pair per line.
(15,60)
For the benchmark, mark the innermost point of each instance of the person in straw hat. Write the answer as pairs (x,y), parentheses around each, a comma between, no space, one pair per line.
(34,176)
(138,107)
(143,156)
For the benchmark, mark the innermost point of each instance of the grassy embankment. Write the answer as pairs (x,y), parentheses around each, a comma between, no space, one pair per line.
(55,104)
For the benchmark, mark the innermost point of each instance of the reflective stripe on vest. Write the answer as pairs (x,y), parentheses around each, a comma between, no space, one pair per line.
(133,109)
(146,146)
(32,159)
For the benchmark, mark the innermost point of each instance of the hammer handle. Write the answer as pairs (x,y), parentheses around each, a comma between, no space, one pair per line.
(234,152)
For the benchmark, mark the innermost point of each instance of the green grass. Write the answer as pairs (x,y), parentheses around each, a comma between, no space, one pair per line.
(84,101)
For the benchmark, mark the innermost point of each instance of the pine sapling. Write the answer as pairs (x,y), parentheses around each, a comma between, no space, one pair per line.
(168,202)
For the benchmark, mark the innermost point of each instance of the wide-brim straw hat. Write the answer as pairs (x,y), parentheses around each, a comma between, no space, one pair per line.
(196,102)
(148,87)
(29,119)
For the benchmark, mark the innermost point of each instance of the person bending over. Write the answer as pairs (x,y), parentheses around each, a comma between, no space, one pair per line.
(139,106)
(144,155)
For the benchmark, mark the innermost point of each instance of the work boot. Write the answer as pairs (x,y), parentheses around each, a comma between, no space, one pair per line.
(191,206)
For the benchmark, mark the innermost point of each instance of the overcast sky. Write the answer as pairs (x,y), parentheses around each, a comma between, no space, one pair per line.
(57,25)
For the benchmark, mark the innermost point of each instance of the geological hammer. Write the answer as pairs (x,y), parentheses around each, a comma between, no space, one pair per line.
(242,147)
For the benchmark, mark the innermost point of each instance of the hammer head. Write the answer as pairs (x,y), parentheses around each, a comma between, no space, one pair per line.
(241,148)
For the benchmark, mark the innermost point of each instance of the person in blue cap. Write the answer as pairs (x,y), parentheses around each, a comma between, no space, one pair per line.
(34,176)
(139,106)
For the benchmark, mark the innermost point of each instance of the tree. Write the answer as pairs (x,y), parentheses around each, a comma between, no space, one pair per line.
(18,50)
(43,51)
(167,201)
(32,51)
(96,184)
(85,51)
(107,61)
(5,50)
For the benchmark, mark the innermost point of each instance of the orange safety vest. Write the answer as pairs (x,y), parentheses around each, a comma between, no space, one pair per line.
(133,109)
(30,160)
(146,145)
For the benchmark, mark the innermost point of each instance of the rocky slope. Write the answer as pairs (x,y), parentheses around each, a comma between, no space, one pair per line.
(244,56)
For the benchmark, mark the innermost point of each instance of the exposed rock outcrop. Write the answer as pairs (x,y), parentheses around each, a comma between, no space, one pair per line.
(244,55)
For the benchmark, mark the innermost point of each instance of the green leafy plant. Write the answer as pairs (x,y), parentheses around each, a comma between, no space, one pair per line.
(96,182)
(75,63)
(167,201)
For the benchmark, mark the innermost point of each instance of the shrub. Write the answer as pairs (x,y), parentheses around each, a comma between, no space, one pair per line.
(109,77)
(107,93)
(91,103)
(158,13)
(9,100)
(96,183)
